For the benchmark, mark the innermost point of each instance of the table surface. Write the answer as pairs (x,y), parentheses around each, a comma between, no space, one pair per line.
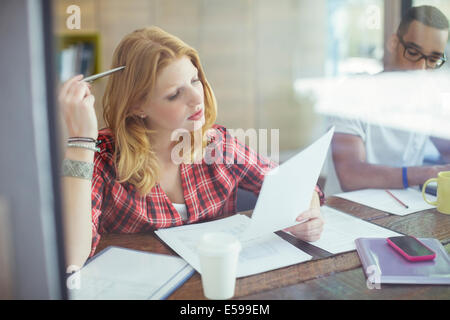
(334,277)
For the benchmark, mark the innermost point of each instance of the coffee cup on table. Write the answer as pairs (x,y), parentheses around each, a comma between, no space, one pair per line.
(219,254)
(442,202)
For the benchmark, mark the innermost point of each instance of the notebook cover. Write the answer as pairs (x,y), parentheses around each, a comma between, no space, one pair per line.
(376,254)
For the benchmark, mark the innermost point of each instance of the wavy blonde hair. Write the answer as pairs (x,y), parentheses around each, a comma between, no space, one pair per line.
(144,52)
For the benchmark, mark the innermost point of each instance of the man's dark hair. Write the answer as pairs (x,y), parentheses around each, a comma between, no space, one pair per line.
(428,15)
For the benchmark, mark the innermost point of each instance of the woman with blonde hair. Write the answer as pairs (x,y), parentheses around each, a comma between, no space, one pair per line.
(125,178)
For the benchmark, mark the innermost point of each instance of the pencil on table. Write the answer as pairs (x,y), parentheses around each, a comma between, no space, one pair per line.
(397,199)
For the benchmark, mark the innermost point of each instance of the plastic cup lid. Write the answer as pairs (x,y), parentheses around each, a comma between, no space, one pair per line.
(218,243)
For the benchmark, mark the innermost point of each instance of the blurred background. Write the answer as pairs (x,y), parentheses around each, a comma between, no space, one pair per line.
(253,53)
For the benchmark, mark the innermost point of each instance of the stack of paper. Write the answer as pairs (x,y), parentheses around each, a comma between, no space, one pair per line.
(286,192)
(379,199)
(341,230)
(263,254)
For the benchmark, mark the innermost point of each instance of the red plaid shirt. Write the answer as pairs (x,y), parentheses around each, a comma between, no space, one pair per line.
(209,189)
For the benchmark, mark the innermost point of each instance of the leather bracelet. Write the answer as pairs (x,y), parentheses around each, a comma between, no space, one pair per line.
(77,169)
(81,139)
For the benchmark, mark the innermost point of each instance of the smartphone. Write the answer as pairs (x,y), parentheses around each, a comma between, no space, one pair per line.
(411,248)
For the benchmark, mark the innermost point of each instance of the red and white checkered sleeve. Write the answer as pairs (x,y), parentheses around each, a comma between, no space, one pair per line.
(97,196)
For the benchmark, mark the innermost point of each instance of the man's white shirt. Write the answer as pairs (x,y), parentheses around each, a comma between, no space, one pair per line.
(384,146)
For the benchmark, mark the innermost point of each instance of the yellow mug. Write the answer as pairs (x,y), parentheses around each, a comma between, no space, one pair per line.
(443,192)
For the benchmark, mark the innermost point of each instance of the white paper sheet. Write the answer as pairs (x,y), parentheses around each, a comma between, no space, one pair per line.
(128,274)
(379,199)
(341,230)
(266,253)
(287,191)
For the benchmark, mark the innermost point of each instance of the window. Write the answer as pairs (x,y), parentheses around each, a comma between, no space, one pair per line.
(355,37)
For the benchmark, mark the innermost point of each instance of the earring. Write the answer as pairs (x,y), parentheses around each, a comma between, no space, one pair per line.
(142,116)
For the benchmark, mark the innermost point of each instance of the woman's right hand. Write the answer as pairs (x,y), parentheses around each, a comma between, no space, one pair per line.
(77,105)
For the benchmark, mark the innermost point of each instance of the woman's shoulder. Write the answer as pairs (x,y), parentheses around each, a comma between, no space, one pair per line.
(219,135)
(224,139)
(219,130)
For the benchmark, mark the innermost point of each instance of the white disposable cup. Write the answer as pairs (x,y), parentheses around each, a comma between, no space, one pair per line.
(218,253)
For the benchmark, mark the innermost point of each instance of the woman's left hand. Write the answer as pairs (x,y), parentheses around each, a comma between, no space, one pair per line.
(312,227)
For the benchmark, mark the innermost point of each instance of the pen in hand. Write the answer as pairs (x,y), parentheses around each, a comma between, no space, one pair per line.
(102,74)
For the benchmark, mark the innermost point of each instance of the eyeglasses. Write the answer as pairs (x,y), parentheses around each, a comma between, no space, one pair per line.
(414,55)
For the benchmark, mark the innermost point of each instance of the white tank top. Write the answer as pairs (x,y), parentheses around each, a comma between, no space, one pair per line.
(182,210)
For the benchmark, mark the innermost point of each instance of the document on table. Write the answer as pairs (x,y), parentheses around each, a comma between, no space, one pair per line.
(379,199)
(263,254)
(286,192)
(119,273)
(341,230)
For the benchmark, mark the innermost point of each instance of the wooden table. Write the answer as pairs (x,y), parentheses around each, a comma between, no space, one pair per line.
(334,277)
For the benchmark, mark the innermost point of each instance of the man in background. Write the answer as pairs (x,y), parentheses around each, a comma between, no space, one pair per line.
(367,155)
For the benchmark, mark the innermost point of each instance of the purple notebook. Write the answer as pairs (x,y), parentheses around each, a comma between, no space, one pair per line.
(383,264)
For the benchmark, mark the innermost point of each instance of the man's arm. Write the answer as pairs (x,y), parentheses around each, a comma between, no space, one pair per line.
(354,173)
(443,147)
